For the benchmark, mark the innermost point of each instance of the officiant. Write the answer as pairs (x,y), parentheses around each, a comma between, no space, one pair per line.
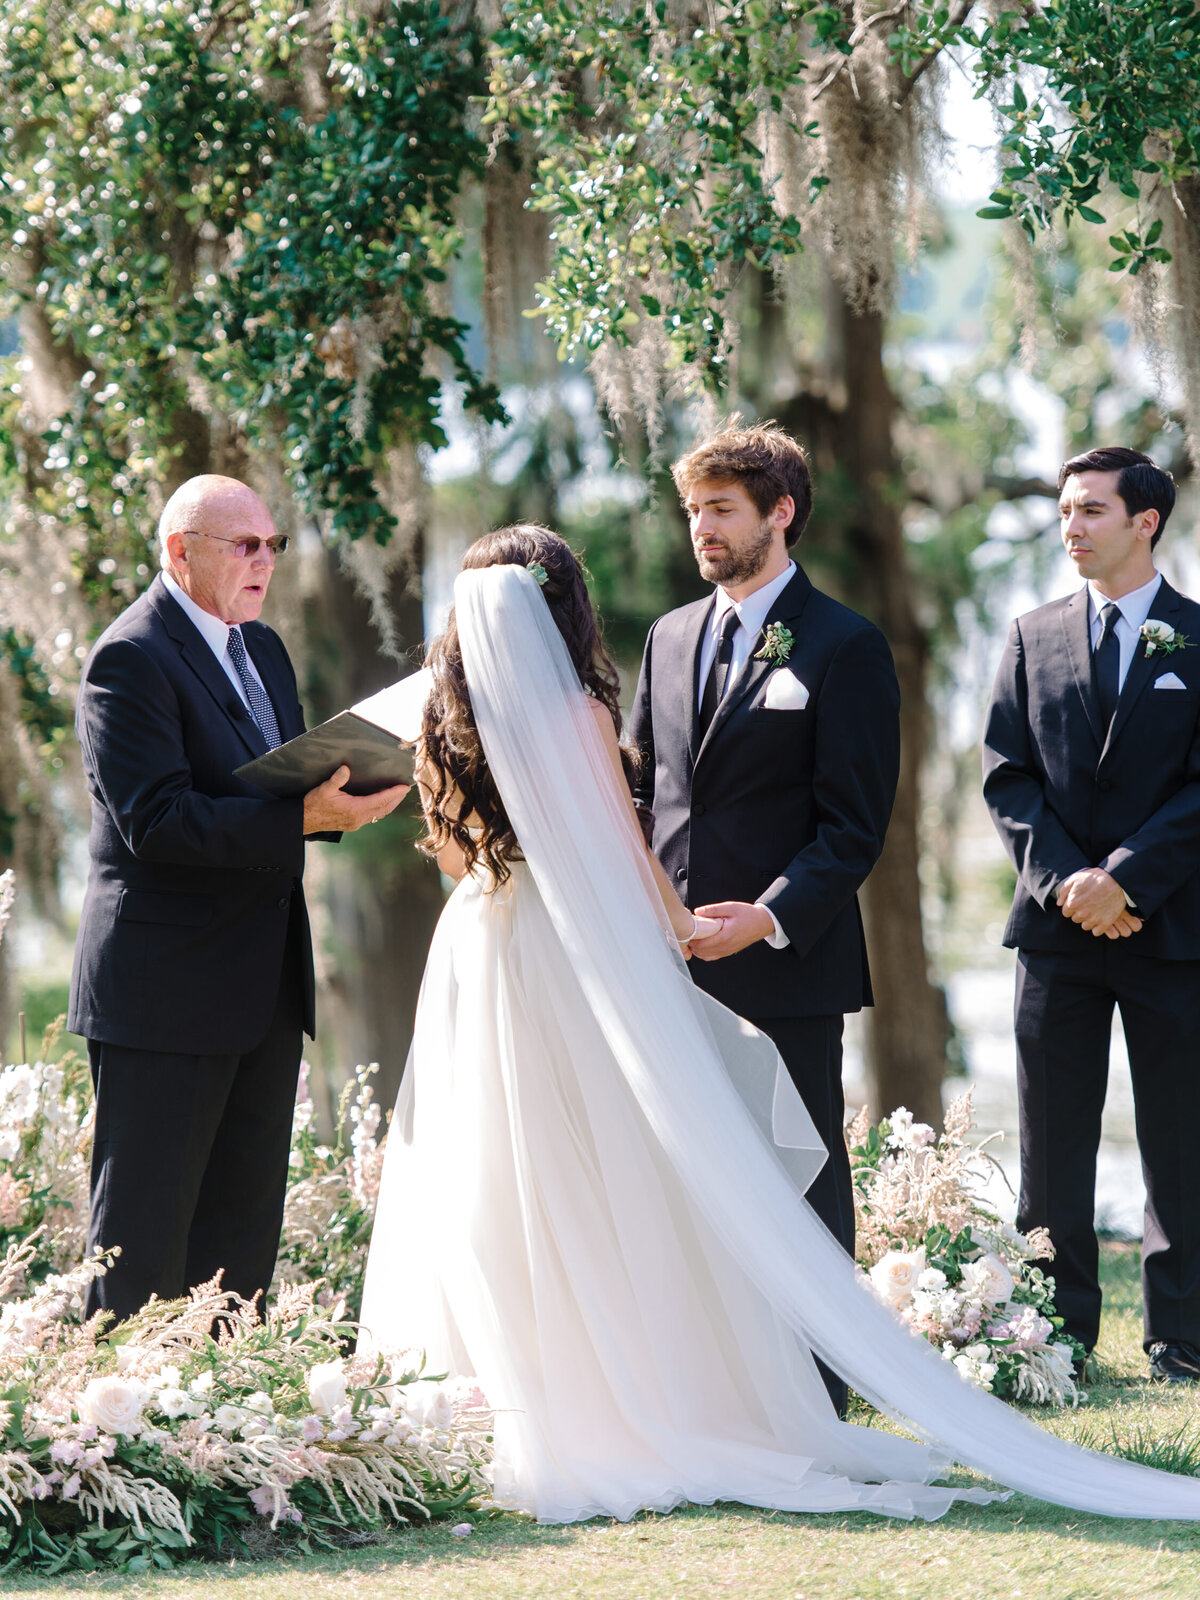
(193,976)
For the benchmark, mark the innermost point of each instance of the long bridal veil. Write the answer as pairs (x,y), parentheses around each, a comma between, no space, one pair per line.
(738,1147)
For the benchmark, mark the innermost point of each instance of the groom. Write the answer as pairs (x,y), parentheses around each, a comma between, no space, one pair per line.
(768,721)
(1092,775)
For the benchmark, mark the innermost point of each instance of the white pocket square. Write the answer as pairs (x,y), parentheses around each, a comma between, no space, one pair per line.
(1169,681)
(785,692)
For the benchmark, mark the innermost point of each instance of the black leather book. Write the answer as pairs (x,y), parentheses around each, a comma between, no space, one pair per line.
(374,739)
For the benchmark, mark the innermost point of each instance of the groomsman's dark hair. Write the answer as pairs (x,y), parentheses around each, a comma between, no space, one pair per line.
(766,461)
(1142,485)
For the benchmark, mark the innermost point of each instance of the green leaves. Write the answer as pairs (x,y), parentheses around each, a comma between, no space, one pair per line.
(1128,79)
(205,235)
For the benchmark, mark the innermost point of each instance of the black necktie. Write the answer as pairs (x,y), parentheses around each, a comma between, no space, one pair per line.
(1106,664)
(261,708)
(718,678)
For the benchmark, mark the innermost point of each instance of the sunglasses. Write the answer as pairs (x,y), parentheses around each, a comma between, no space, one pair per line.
(250,545)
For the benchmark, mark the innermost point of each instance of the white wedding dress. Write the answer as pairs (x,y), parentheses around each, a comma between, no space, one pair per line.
(592,1198)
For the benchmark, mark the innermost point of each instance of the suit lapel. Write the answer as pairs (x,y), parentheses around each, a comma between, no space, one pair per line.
(691,645)
(1076,626)
(1143,667)
(196,653)
(787,608)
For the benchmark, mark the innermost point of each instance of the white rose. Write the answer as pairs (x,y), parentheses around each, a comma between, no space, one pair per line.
(113,1404)
(931,1279)
(262,1403)
(989,1280)
(428,1405)
(894,1276)
(327,1387)
(1156,634)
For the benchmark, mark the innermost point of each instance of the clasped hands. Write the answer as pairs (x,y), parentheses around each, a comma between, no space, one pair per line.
(329,809)
(726,928)
(1097,903)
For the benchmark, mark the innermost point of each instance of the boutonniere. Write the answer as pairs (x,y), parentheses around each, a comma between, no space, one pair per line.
(777,642)
(1161,638)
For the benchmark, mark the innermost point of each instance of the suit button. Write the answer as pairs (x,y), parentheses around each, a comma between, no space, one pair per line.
(699,808)
(681,873)
(1104,785)
(282,902)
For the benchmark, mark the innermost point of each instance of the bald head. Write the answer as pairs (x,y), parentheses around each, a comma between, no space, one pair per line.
(205,505)
(200,535)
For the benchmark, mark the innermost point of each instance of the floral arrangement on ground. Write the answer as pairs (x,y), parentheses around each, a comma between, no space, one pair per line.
(951,1268)
(136,1446)
(197,1425)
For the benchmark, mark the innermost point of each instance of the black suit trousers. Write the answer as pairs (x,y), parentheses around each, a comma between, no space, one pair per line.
(1064,1009)
(811,1048)
(190,1159)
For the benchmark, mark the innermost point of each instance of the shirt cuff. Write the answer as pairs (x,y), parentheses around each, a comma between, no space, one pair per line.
(777,940)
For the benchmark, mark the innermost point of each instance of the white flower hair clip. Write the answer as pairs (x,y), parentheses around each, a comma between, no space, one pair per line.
(538,571)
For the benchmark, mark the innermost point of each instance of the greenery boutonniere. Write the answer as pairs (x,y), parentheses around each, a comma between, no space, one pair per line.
(777,642)
(537,571)
(1161,637)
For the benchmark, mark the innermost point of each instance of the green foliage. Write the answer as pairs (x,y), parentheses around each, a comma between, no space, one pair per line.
(1127,76)
(239,210)
(656,176)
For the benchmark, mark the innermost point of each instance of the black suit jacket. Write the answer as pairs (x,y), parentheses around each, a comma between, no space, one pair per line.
(1064,795)
(786,807)
(193,873)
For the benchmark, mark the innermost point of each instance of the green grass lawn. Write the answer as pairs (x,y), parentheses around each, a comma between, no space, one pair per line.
(1016,1549)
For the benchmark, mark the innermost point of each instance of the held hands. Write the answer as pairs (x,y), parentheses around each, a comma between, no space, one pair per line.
(1096,902)
(738,924)
(328,809)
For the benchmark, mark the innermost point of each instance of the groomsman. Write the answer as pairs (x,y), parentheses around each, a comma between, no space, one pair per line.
(767,716)
(1092,775)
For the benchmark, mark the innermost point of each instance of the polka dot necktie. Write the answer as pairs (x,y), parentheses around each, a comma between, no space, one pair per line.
(261,708)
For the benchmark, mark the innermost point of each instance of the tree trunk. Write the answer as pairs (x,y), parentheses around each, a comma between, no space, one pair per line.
(380,898)
(859,538)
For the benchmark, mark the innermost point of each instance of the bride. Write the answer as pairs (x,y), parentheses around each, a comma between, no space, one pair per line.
(593,1193)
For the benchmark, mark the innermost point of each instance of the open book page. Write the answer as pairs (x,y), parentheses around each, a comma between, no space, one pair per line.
(398,708)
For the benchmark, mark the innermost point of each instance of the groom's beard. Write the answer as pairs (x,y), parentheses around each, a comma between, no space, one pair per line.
(741,564)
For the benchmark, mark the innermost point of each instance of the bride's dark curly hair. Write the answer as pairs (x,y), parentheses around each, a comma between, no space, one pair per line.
(459,787)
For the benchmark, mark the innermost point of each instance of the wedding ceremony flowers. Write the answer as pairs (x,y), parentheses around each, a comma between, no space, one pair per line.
(196,1425)
(951,1269)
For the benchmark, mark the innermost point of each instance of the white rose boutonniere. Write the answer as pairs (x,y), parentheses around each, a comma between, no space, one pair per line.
(1161,638)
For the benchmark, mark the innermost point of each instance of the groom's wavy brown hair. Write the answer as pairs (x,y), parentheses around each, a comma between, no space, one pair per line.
(462,802)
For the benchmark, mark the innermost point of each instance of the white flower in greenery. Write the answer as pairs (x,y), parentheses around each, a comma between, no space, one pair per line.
(976,1365)
(894,1276)
(229,1418)
(201,1385)
(932,1278)
(165,1378)
(10,1144)
(988,1280)
(906,1133)
(262,1403)
(428,1405)
(114,1404)
(171,1402)
(327,1387)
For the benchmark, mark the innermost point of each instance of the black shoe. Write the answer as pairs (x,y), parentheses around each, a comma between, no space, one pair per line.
(1174,1363)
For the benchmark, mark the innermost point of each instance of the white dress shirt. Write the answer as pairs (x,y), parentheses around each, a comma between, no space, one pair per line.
(1134,608)
(751,613)
(215,634)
